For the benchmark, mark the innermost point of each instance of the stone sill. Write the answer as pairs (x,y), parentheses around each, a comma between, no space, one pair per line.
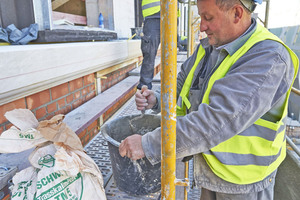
(29,69)
(65,33)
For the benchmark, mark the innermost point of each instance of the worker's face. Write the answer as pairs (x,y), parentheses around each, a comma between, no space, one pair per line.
(216,23)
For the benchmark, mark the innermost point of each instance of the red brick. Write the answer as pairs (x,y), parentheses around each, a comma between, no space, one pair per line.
(59,91)
(76,84)
(7,126)
(69,98)
(1,129)
(90,96)
(40,113)
(103,81)
(68,108)
(84,91)
(86,139)
(50,116)
(82,134)
(89,79)
(92,125)
(92,136)
(77,95)
(38,99)
(11,106)
(64,110)
(103,117)
(77,103)
(95,131)
(92,88)
(61,103)
(52,107)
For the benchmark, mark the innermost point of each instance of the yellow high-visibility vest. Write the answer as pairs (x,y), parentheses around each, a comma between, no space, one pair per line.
(255,153)
(150,7)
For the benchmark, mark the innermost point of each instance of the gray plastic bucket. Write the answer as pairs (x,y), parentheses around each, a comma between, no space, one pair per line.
(133,177)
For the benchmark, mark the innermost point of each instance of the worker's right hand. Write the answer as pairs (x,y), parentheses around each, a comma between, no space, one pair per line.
(145,98)
(132,148)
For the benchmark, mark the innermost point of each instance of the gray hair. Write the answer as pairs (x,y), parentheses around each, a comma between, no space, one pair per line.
(227,4)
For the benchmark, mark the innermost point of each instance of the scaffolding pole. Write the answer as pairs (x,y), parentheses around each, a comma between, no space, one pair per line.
(168,97)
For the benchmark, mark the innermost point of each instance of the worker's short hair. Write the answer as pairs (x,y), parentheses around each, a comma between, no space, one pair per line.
(227,4)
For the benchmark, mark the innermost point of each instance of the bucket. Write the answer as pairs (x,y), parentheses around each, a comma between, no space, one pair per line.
(133,177)
(138,31)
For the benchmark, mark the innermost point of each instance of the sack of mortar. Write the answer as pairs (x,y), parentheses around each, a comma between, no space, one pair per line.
(60,169)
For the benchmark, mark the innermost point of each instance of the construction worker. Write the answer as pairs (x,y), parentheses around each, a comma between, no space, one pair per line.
(150,40)
(232,105)
(183,43)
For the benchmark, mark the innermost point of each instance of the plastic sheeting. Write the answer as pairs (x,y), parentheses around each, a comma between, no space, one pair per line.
(14,36)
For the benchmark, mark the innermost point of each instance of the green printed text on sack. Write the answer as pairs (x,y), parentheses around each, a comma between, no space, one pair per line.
(55,190)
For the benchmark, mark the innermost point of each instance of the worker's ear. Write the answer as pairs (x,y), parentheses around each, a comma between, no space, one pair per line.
(238,12)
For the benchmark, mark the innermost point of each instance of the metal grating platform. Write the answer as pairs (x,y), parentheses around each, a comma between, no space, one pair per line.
(97,149)
(113,193)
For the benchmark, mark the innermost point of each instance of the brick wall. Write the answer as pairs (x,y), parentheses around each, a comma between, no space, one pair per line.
(68,96)
(93,129)
(89,133)
(57,100)
(115,77)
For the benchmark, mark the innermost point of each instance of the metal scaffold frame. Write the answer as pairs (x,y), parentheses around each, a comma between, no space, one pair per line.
(168,97)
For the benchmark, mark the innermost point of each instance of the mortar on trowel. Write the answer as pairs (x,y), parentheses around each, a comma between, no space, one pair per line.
(133,177)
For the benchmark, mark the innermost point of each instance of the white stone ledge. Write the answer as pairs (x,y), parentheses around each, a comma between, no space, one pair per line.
(25,70)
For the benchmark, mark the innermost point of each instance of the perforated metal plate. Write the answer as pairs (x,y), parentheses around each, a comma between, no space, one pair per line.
(97,149)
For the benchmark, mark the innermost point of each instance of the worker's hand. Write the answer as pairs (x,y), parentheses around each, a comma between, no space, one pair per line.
(132,148)
(145,98)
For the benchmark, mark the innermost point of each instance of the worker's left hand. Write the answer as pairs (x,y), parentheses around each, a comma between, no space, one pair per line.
(145,98)
(132,148)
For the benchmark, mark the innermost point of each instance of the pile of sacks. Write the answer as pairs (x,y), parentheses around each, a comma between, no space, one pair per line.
(60,169)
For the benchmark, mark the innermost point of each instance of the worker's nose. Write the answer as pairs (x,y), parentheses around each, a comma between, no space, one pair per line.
(203,26)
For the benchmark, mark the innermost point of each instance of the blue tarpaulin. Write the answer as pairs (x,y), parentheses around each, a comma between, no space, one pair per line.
(13,35)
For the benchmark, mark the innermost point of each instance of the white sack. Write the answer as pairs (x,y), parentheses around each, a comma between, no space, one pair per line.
(60,168)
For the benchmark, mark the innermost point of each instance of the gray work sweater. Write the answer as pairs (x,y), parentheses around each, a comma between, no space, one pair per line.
(254,87)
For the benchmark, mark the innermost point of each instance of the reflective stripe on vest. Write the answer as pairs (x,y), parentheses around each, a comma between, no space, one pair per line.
(150,7)
(255,153)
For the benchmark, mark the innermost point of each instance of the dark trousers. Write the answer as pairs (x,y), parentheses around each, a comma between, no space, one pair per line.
(149,45)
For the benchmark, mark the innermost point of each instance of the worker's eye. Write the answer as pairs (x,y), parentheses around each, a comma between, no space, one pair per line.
(208,18)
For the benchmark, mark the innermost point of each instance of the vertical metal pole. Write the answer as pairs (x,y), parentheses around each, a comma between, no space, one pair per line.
(168,97)
(267,13)
(189,36)
(192,36)
(43,14)
(186,176)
